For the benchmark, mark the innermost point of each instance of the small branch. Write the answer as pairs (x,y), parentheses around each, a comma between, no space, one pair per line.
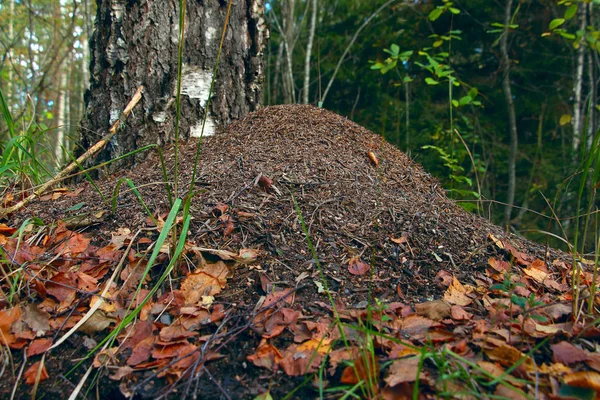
(88,154)
(343,57)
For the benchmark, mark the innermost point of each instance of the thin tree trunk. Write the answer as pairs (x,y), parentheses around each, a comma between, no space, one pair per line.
(289,91)
(61,125)
(11,38)
(277,73)
(578,83)
(512,120)
(309,46)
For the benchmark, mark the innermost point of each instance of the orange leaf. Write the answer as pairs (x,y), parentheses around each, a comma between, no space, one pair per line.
(373,158)
(32,373)
(39,346)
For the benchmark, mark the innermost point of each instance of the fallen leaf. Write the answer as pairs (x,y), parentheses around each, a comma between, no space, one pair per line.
(296,362)
(584,379)
(265,183)
(266,356)
(206,281)
(32,373)
(404,371)
(457,294)
(373,158)
(357,267)
(435,310)
(566,353)
(38,346)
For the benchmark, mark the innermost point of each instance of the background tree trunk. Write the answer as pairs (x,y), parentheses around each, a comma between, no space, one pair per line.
(135,43)
(512,120)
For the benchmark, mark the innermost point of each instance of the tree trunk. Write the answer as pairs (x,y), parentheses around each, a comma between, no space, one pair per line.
(578,84)
(135,43)
(311,36)
(512,120)
(61,120)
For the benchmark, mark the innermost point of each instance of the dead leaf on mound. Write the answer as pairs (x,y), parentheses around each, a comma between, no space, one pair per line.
(7,318)
(508,356)
(244,256)
(364,368)
(141,351)
(32,373)
(209,280)
(357,267)
(278,321)
(405,370)
(297,362)
(37,320)
(584,379)
(373,158)
(266,356)
(414,325)
(435,310)
(499,266)
(566,353)
(457,294)
(38,346)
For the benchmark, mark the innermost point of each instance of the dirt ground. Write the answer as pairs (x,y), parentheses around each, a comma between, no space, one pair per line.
(365,204)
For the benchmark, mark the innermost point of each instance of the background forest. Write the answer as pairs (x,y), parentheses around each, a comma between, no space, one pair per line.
(498,99)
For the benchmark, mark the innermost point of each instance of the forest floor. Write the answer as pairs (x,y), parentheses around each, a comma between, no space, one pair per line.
(398,291)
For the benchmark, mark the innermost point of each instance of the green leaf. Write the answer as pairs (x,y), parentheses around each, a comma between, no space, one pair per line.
(454,10)
(431,81)
(465,100)
(567,35)
(438,43)
(455,103)
(435,13)
(395,49)
(473,92)
(407,79)
(76,207)
(555,23)
(571,11)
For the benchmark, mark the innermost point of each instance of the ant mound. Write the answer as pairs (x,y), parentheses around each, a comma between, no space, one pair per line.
(375,218)
(289,175)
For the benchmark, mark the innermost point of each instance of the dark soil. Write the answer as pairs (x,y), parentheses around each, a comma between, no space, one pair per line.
(351,207)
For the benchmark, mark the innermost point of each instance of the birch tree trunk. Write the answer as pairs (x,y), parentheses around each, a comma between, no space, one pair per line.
(309,46)
(578,83)
(512,120)
(135,43)
(61,120)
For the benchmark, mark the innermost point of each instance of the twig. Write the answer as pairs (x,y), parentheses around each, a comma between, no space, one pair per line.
(89,153)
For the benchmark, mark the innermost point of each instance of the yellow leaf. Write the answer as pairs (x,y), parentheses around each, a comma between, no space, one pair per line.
(564,119)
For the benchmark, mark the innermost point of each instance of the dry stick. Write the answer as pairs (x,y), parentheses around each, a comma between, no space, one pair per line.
(89,153)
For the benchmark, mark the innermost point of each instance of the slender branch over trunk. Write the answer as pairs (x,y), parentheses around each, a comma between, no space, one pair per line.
(343,57)
(512,120)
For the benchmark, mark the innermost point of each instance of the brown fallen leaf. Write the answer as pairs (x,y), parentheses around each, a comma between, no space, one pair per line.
(404,371)
(357,267)
(457,294)
(38,346)
(32,373)
(436,310)
(266,356)
(566,353)
(373,158)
